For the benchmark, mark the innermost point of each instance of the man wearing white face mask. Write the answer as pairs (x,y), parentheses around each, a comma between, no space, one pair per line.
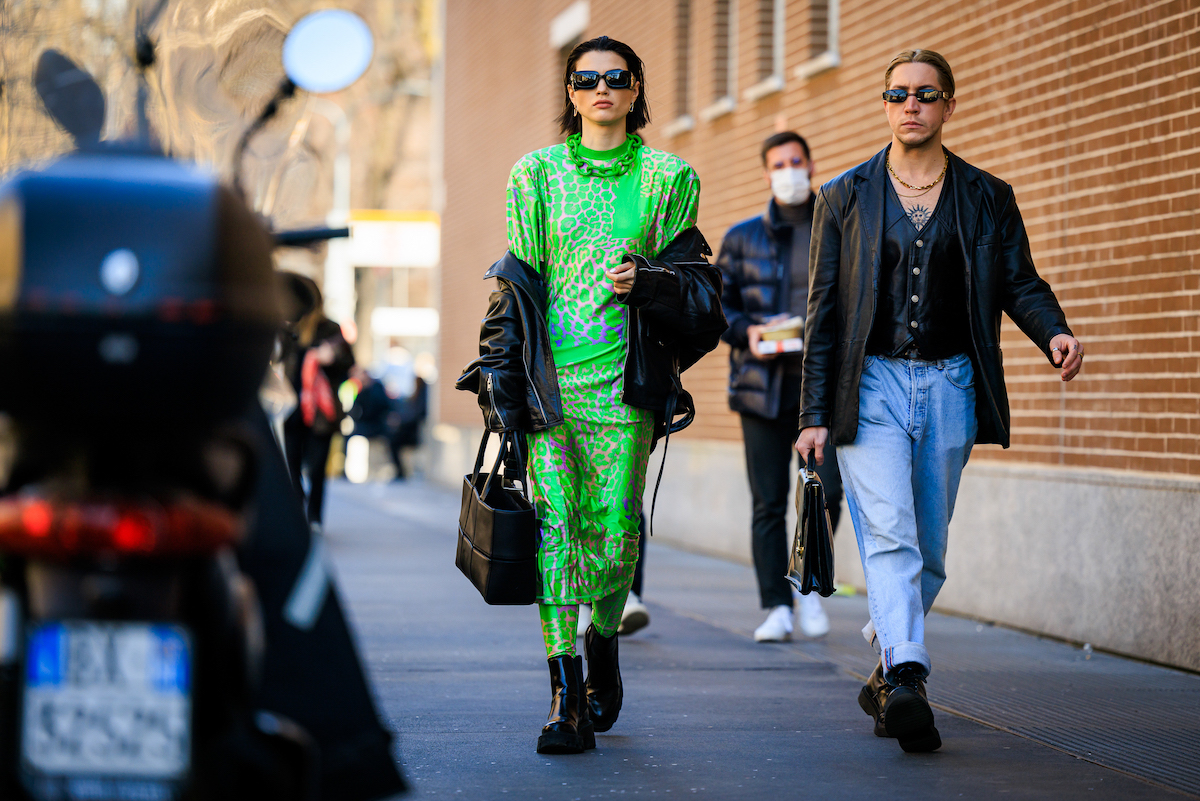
(764,263)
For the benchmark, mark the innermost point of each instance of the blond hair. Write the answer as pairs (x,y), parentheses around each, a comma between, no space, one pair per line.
(935,60)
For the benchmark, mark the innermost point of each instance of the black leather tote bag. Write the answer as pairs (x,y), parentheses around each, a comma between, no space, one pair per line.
(811,564)
(498,529)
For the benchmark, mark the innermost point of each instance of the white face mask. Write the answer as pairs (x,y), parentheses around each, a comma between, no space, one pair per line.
(790,186)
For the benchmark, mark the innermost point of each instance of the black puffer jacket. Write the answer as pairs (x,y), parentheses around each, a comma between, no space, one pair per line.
(675,318)
(756,272)
(844,269)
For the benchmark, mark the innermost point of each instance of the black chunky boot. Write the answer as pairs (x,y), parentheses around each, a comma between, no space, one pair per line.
(906,714)
(604,690)
(560,735)
(587,730)
(873,696)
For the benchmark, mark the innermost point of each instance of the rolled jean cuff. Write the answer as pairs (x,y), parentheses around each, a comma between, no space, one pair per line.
(900,653)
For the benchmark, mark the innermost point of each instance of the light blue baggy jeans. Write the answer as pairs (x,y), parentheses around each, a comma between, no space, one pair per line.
(916,426)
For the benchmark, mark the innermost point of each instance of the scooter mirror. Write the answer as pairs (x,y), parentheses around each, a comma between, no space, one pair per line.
(72,97)
(327,51)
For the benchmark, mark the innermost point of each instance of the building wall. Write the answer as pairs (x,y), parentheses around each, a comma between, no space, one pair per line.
(1086,108)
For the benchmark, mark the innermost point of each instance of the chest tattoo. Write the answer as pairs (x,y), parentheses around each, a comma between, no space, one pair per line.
(919,215)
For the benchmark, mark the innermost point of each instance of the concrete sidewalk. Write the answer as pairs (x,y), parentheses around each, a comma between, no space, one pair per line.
(709,712)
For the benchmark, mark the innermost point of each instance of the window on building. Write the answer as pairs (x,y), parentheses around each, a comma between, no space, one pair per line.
(683,31)
(822,38)
(724,63)
(683,70)
(724,48)
(769,38)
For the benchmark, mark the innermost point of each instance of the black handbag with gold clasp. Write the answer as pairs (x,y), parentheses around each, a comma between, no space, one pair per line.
(811,564)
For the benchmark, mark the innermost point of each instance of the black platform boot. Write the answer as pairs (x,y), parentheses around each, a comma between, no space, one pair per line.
(873,696)
(560,735)
(587,730)
(604,690)
(906,713)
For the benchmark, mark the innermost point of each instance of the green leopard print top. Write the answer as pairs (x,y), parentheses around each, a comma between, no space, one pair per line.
(572,227)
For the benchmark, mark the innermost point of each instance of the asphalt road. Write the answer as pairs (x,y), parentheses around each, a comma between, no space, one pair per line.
(708,712)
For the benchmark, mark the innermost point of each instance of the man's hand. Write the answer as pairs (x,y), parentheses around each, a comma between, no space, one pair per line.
(754,332)
(1067,352)
(812,440)
(622,277)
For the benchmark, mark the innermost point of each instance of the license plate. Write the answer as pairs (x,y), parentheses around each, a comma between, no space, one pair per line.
(105,703)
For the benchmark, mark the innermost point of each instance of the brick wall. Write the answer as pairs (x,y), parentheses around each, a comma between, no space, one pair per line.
(1086,108)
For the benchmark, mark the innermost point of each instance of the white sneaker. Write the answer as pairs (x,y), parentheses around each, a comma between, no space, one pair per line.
(777,627)
(585,619)
(635,616)
(813,620)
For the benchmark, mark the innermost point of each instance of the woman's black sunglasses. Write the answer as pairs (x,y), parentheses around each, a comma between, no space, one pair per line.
(922,95)
(590,79)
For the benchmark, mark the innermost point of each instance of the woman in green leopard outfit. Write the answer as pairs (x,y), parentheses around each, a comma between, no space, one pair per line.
(575,211)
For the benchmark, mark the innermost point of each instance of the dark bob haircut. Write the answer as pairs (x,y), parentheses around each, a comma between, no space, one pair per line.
(782,138)
(569,122)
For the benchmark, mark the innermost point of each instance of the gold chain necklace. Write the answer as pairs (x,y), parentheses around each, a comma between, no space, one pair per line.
(945,164)
(918,194)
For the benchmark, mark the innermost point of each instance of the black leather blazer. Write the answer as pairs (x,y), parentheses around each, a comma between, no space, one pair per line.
(756,271)
(844,262)
(514,376)
(675,318)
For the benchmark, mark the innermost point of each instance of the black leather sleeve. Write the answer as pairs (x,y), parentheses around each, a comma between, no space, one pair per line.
(679,295)
(820,329)
(731,291)
(497,377)
(1028,300)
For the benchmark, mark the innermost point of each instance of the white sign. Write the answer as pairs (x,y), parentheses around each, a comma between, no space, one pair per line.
(394,243)
(398,321)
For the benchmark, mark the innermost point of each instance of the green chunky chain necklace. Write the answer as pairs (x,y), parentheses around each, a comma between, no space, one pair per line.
(612,169)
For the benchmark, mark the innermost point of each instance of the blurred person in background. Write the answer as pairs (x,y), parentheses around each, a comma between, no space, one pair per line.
(317,359)
(410,413)
(764,266)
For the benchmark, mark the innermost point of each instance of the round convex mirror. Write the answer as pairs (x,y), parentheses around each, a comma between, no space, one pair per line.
(327,51)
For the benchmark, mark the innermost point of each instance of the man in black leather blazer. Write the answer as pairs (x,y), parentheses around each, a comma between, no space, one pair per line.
(915,254)
(764,271)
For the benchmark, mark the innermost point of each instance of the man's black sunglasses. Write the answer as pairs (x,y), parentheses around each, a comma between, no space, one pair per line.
(922,95)
(590,79)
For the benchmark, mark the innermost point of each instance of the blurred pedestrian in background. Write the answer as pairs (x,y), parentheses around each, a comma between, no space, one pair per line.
(410,413)
(317,359)
(601,230)
(915,254)
(380,412)
(764,265)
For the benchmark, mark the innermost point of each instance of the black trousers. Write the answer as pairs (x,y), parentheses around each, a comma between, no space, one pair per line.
(769,451)
(307,452)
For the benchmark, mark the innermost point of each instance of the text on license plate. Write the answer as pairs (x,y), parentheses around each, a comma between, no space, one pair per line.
(110,699)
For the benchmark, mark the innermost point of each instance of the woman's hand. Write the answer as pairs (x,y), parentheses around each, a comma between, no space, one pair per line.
(622,277)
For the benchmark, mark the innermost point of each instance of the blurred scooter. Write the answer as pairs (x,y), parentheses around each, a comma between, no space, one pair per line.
(137,315)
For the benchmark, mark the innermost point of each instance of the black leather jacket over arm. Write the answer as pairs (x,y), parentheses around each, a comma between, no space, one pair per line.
(514,377)
(844,260)
(675,318)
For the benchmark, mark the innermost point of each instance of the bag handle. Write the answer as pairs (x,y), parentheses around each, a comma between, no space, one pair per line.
(809,469)
(511,455)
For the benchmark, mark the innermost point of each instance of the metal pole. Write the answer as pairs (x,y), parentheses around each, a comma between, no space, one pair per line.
(339,269)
